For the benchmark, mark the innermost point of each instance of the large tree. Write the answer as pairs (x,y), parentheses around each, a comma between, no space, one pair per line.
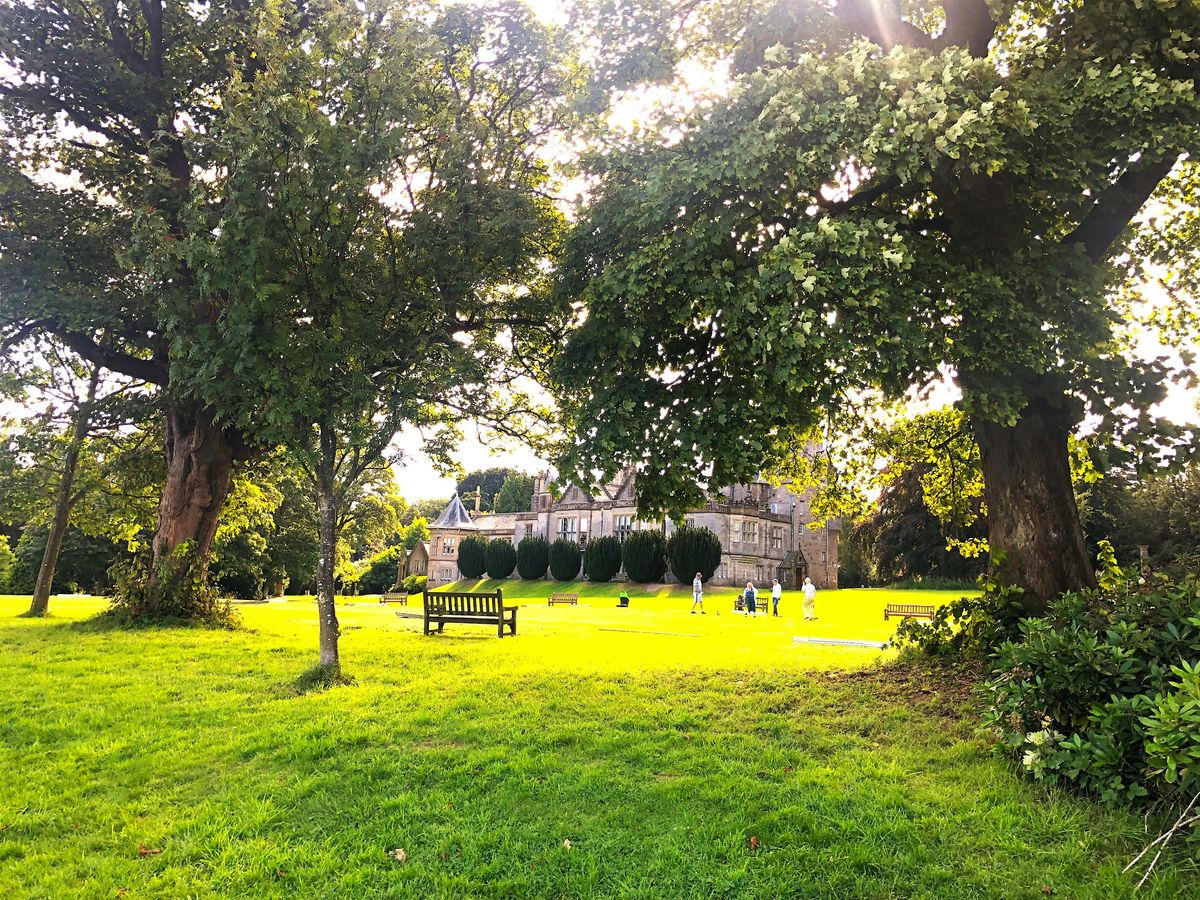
(103,103)
(373,238)
(887,193)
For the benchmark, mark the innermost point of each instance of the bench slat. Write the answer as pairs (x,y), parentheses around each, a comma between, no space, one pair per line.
(908,611)
(471,607)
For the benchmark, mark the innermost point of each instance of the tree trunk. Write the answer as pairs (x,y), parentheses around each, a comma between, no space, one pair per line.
(1032,517)
(327,551)
(200,456)
(62,500)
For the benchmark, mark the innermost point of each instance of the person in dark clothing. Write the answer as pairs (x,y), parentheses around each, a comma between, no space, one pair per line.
(750,599)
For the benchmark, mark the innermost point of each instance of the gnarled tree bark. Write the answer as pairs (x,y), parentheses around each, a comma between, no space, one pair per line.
(200,457)
(1033,520)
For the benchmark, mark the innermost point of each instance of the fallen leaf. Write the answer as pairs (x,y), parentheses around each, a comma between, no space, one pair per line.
(144,851)
(399,855)
(753,842)
(567,843)
(1047,890)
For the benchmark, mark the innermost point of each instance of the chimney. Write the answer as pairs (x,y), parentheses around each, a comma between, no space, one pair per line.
(478,498)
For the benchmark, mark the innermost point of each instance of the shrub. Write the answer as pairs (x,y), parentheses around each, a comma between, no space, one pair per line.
(645,556)
(501,558)
(1104,693)
(8,562)
(533,556)
(968,626)
(692,550)
(472,557)
(564,560)
(380,573)
(414,584)
(603,559)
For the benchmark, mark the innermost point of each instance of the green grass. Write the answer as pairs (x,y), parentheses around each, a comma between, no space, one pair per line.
(657,755)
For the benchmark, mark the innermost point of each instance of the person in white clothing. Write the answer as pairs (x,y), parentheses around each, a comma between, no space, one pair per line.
(697,594)
(776,593)
(810,594)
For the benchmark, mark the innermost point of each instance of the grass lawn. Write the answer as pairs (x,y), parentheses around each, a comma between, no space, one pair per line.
(183,763)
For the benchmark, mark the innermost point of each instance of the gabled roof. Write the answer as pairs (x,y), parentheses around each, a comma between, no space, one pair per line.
(455,515)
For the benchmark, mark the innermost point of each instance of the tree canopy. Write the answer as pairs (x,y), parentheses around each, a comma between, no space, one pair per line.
(884,196)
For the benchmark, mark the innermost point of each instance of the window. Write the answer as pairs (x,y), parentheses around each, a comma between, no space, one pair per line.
(689,523)
(749,532)
(447,546)
(566,528)
(735,532)
(776,538)
(623,525)
(528,529)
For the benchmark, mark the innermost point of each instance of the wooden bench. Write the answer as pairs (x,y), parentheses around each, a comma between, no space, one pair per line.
(908,611)
(469,607)
(394,597)
(573,599)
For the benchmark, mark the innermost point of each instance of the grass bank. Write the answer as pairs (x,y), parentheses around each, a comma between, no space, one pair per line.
(179,762)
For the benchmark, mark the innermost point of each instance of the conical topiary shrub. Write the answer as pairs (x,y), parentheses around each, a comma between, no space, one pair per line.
(692,550)
(472,557)
(564,560)
(533,556)
(603,559)
(645,556)
(501,558)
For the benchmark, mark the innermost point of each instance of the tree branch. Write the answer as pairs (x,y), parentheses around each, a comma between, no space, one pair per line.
(969,24)
(879,21)
(117,360)
(1117,206)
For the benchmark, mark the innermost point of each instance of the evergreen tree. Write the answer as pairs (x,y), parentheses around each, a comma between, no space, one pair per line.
(472,557)
(644,554)
(692,550)
(501,558)
(533,556)
(603,558)
(564,560)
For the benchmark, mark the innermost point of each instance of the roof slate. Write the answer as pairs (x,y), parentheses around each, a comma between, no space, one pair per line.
(455,515)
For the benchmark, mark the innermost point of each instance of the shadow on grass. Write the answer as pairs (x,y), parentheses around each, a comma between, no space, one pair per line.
(316,680)
(117,619)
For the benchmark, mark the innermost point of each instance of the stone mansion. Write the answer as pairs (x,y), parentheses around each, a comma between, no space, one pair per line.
(764,530)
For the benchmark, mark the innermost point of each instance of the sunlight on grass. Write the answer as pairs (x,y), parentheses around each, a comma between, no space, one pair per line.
(658,756)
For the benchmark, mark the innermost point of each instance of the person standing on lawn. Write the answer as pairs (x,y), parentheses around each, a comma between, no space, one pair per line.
(697,594)
(810,594)
(749,598)
(776,593)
